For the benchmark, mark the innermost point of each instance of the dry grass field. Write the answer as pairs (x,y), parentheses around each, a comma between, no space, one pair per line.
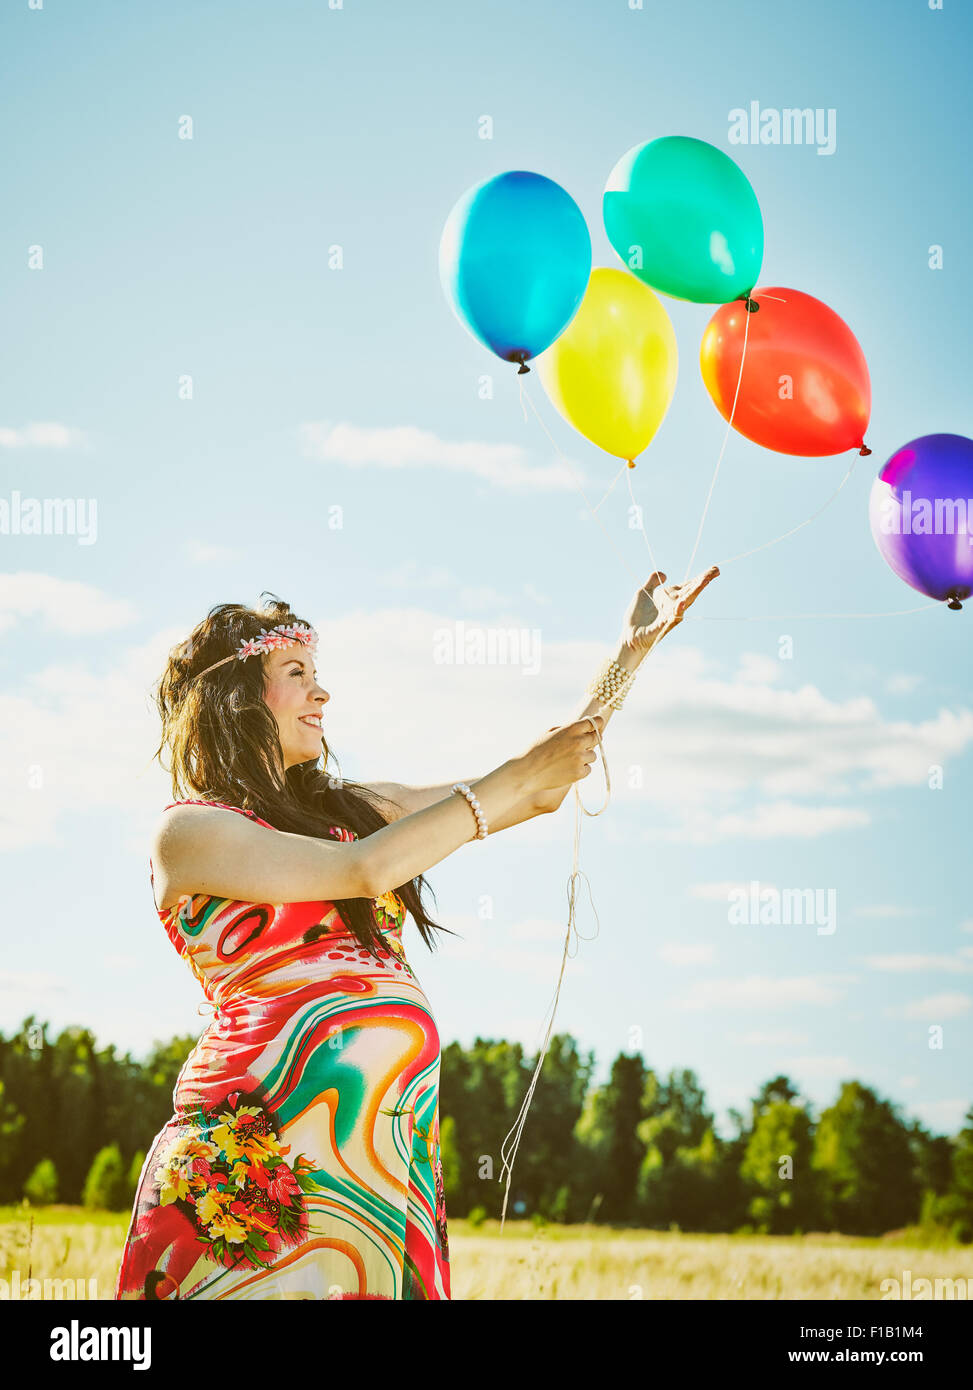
(552,1262)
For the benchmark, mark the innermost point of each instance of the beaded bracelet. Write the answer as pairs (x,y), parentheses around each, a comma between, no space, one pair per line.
(612,684)
(483,829)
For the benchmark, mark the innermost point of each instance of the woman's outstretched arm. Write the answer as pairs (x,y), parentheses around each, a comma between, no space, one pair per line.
(400,800)
(629,660)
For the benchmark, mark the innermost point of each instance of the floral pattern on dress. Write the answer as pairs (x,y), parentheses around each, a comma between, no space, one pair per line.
(230,1173)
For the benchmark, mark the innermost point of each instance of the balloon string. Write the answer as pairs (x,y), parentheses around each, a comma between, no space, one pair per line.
(576,873)
(744,553)
(726,436)
(761,617)
(782,617)
(624,469)
(525,400)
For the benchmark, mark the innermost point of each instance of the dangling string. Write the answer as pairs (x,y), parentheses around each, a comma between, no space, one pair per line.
(576,873)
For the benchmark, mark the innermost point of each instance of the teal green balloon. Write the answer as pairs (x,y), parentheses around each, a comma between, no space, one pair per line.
(684,218)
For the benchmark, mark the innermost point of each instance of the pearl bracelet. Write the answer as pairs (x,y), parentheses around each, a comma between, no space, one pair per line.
(612,684)
(483,829)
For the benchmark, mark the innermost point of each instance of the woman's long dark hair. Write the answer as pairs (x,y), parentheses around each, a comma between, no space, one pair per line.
(224,745)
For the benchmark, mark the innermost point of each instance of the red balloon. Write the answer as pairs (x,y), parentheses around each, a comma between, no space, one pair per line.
(805,387)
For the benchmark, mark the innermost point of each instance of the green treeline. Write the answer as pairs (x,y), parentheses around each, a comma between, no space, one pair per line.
(76,1122)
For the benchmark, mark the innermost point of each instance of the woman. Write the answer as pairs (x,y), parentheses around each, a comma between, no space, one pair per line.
(302,1159)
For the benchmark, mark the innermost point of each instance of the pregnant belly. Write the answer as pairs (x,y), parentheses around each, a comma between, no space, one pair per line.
(361,1029)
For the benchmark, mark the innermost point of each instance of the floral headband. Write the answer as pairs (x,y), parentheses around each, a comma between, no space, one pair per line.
(284,635)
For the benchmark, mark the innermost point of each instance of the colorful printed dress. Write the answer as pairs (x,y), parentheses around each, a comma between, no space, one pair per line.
(302,1160)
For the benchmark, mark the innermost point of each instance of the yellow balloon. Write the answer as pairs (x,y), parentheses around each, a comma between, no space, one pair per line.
(612,372)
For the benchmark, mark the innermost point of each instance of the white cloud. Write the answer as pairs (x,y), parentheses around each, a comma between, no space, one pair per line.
(679,954)
(41,436)
(902,684)
(721,892)
(202,553)
(413,575)
(499,946)
(886,910)
(483,597)
(942,1116)
(115,961)
(538,929)
(765,992)
(935,1007)
(80,736)
(818,1066)
(782,1037)
(723,735)
(706,749)
(756,668)
(64,605)
(30,984)
(770,820)
(406,446)
(906,962)
(535,595)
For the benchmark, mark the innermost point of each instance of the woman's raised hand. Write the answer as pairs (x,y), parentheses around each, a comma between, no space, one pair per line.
(658,607)
(563,755)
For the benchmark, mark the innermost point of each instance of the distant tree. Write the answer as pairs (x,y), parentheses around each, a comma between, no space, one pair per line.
(932,1159)
(106,1185)
(12,1124)
(449,1157)
(40,1189)
(480,1091)
(777,1168)
(547,1158)
(780,1089)
(681,1173)
(610,1151)
(955,1207)
(862,1152)
(697,1190)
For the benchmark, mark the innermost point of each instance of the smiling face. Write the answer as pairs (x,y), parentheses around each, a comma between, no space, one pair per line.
(296,700)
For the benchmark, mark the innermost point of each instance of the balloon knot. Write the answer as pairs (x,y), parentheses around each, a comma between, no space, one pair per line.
(752,305)
(522,359)
(863,452)
(952,601)
(630,462)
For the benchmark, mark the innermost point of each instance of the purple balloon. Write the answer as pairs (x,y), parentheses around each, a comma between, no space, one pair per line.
(921,514)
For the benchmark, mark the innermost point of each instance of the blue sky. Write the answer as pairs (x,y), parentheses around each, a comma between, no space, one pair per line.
(323,395)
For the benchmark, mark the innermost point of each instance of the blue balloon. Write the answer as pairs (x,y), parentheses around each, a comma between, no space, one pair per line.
(514,261)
